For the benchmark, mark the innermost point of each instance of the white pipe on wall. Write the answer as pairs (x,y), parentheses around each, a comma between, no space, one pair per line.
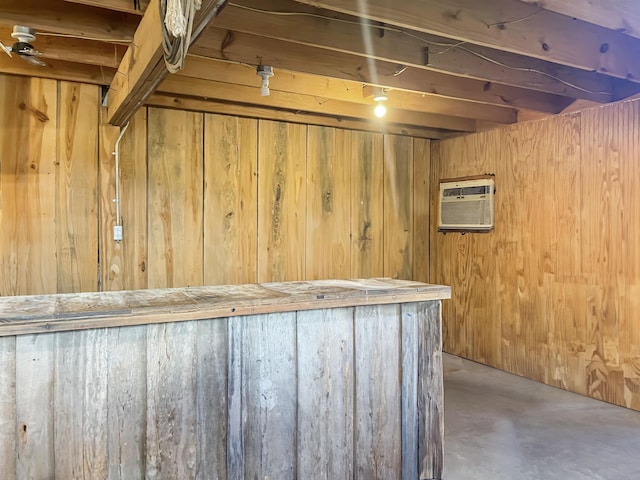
(117,229)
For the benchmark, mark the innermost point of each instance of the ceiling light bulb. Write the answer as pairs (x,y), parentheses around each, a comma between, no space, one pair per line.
(380,110)
(380,95)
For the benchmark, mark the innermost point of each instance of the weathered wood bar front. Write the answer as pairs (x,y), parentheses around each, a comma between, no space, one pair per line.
(299,380)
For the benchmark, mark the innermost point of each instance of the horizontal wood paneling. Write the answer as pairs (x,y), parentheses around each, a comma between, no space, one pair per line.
(548,294)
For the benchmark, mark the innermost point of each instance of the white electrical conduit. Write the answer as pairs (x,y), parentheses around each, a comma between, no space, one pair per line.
(116,153)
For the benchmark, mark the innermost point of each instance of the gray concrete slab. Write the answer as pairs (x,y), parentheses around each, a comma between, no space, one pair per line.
(500,426)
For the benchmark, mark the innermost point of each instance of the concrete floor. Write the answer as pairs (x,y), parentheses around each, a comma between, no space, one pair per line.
(503,427)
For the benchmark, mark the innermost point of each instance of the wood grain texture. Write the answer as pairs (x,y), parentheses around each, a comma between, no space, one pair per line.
(421,208)
(28,139)
(171,401)
(409,344)
(62,312)
(124,264)
(230,199)
(367,221)
(126,402)
(548,294)
(398,207)
(328,197)
(430,389)
(8,424)
(377,420)
(212,379)
(175,194)
(281,192)
(77,188)
(34,415)
(326,393)
(265,430)
(80,400)
(325,362)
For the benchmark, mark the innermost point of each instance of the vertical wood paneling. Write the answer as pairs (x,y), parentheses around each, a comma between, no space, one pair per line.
(281,206)
(171,401)
(378,394)
(8,425)
(28,115)
(212,399)
(430,389)
(547,294)
(34,402)
(124,264)
(398,207)
(328,199)
(421,208)
(80,405)
(230,199)
(175,227)
(263,428)
(77,188)
(127,402)
(367,221)
(325,394)
(409,341)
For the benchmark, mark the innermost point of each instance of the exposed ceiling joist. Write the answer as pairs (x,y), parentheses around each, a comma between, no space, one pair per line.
(73,49)
(416,49)
(119,5)
(178,85)
(225,108)
(620,15)
(142,68)
(71,19)
(59,70)
(250,49)
(509,25)
(456,65)
(344,90)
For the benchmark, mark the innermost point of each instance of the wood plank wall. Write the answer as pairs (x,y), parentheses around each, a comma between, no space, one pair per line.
(349,392)
(554,292)
(48,186)
(206,199)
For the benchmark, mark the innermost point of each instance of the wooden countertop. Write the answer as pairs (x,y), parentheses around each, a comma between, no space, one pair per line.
(78,311)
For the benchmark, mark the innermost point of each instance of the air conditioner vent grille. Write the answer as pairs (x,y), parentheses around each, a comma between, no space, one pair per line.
(466,205)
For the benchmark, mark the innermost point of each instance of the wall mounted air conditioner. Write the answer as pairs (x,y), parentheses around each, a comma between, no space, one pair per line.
(466,204)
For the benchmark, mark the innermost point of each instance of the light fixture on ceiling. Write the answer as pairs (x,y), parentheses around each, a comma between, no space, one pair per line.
(380,96)
(265,72)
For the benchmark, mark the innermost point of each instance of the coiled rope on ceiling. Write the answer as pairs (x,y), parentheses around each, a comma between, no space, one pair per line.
(177,21)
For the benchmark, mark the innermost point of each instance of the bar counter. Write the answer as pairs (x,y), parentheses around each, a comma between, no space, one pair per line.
(324,379)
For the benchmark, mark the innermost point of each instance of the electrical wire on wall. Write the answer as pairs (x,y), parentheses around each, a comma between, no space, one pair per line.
(177,20)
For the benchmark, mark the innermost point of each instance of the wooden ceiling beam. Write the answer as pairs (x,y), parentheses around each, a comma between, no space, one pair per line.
(212,106)
(70,19)
(509,25)
(177,85)
(74,49)
(344,90)
(250,49)
(59,70)
(127,6)
(414,49)
(143,68)
(620,15)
